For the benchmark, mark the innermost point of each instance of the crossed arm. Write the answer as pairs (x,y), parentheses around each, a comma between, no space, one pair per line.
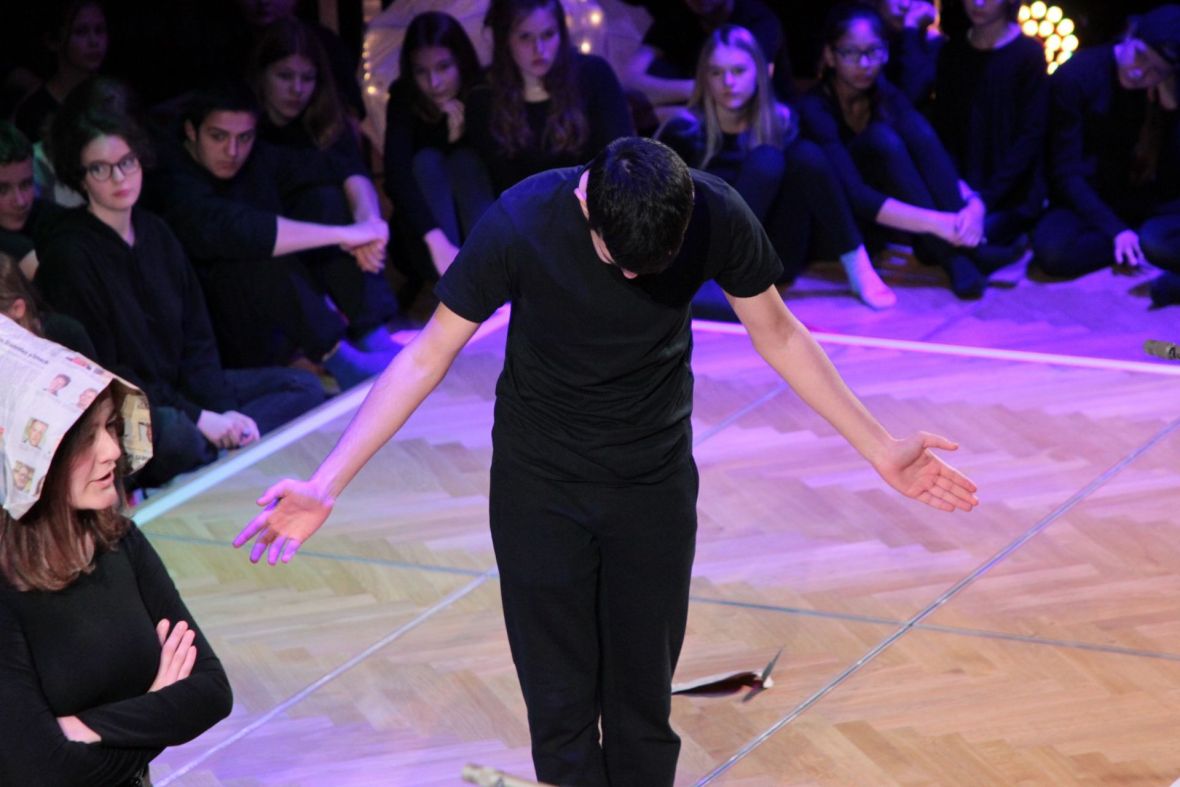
(907,465)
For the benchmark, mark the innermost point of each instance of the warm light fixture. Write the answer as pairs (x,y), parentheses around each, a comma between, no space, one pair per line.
(1053,28)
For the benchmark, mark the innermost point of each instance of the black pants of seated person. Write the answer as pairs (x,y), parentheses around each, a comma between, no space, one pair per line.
(1065,245)
(457,189)
(905,160)
(810,218)
(263,309)
(594,582)
(271,397)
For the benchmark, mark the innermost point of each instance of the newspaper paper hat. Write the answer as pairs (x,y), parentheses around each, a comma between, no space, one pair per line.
(44,390)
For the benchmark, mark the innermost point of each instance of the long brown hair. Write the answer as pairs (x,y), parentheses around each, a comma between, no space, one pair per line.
(53,544)
(323,119)
(15,287)
(566,128)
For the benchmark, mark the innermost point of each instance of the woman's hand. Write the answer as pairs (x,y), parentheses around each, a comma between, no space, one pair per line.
(456,119)
(911,468)
(178,654)
(969,223)
(293,511)
(75,730)
(1127,251)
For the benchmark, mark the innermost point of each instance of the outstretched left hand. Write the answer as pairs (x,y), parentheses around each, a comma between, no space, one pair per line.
(910,467)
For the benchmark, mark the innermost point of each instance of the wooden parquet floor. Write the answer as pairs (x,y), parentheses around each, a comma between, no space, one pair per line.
(1035,641)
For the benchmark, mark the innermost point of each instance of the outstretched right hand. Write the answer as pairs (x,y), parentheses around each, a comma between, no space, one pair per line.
(292,512)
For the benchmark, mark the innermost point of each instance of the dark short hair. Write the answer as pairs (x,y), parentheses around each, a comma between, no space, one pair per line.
(639,196)
(100,107)
(14,146)
(225,97)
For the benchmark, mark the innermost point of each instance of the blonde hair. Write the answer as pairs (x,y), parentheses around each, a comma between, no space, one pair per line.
(770,122)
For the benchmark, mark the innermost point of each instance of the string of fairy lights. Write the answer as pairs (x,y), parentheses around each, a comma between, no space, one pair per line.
(1055,31)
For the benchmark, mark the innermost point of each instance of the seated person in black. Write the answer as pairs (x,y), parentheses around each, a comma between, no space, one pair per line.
(300,111)
(23,216)
(664,65)
(437,183)
(223,193)
(735,129)
(21,303)
(120,271)
(914,44)
(1114,157)
(103,665)
(991,111)
(77,37)
(593,495)
(546,105)
(895,171)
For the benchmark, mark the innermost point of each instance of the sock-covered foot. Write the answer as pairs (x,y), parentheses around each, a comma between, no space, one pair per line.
(377,340)
(1165,290)
(865,282)
(990,258)
(351,365)
(966,280)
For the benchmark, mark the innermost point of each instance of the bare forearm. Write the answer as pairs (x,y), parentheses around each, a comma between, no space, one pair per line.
(801,362)
(293,236)
(395,395)
(911,218)
(362,198)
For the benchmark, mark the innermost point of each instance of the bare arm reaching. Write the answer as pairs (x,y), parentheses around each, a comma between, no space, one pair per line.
(907,465)
(294,510)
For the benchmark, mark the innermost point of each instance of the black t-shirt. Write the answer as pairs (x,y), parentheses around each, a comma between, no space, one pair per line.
(597,384)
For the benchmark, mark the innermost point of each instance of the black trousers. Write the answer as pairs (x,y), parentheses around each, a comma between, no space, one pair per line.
(1066,245)
(271,397)
(594,582)
(905,160)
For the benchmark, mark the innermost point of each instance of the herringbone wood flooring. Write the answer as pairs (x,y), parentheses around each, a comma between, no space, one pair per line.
(1034,641)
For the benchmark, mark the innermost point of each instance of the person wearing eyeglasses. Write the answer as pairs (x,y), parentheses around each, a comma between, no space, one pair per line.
(120,271)
(1114,158)
(896,172)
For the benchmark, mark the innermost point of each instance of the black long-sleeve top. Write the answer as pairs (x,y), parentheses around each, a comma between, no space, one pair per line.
(234,220)
(141,305)
(606,111)
(91,651)
(991,110)
(406,133)
(1095,128)
(18,243)
(913,63)
(822,122)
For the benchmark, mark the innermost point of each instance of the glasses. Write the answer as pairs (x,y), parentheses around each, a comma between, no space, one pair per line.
(874,55)
(102,170)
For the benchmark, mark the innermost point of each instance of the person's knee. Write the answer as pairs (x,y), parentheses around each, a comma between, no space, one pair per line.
(880,140)
(1159,239)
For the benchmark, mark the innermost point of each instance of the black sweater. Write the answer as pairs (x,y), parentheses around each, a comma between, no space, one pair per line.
(606,111)
(91,651)
(405,134)
(1095,129)
(140,304)
(232,220)
(822,122)
(991,111)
